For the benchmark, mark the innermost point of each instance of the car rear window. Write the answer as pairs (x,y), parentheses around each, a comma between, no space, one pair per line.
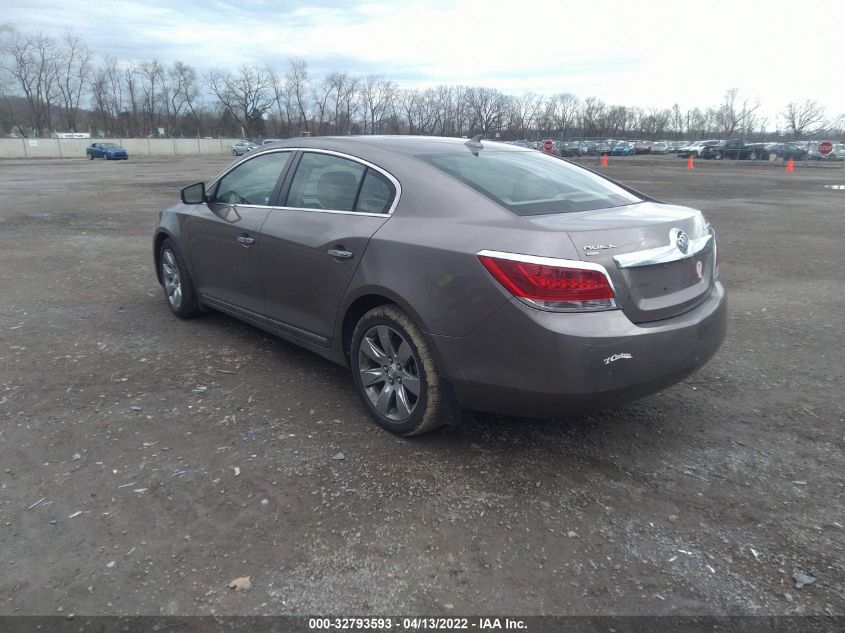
(530,183)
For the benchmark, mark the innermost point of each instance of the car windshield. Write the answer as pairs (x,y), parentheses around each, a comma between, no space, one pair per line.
(530,183)
(108,145)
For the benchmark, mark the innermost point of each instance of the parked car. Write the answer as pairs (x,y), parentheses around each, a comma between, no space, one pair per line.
(738,149)
(606,147)
(661,147)
(699,149)
(450,275)
(564,150)
(813,152)
(641,147)
(589,148)
(108,151)
(242,147)
(787,151)
(623,149)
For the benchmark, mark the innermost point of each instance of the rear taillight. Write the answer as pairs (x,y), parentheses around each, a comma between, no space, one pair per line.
(551,284)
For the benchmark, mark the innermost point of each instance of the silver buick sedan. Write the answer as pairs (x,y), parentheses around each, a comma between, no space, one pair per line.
(451,275)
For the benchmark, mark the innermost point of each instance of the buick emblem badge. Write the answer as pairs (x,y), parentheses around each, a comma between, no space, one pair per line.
(681,240)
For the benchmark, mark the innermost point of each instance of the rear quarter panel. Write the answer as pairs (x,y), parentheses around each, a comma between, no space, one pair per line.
(424,256)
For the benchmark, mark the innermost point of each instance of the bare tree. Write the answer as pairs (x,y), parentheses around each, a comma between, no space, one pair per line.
(73,75)
(107,94)
(321,98)
(180,96)
(411,102)
(803,118)
(561,111)
(377,96)
(678,121)
(593,117)
(152,78)
(343,88)
(485,106)
(523,113)
(31,61)
(701,123)
(282,101)
(655,122)
(298,86)
(44,83)
(731,117)
(245,95)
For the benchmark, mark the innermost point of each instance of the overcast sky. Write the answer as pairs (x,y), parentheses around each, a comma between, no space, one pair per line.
(631,52)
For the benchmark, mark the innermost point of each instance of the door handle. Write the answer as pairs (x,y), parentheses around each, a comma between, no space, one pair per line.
(340,254)
(246,240)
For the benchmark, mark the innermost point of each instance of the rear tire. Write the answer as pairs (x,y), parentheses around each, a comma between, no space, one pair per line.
(178,286)
(391,360)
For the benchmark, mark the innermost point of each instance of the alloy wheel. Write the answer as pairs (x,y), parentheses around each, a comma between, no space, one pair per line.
(390,372)
(172,279)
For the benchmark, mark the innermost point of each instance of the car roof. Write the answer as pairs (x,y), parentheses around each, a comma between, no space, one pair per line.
(403,145)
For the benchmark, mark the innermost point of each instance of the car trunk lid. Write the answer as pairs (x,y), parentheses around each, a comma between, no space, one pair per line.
(642,248)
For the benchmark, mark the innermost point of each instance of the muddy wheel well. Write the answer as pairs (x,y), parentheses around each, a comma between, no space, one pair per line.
(359,308)
(157,251)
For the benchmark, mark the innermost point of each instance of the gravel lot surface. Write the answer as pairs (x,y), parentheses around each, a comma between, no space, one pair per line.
(146,462)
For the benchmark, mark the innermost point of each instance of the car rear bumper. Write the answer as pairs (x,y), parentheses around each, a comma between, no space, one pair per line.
(526,362)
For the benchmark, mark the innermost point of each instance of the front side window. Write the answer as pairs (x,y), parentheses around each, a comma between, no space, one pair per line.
(323,181)
(532,183)
(253,181)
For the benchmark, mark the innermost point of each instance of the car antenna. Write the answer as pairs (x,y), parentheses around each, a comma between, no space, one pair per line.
(474,144)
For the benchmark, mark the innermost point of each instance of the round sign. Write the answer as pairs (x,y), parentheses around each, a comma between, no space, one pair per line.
(825,148)
(547,145)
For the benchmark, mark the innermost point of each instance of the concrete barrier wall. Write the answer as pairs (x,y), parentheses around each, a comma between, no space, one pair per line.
(75,148)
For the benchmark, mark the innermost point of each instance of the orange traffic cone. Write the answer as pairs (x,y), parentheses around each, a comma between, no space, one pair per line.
(790,166)
(690,163)
(604,160)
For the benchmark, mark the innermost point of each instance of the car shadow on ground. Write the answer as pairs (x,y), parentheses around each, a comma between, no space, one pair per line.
(643,426)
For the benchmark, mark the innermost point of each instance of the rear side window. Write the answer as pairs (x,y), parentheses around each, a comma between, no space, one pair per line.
(531,183)
(323,181)
(376,193)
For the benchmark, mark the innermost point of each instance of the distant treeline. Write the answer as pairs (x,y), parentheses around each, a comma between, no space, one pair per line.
(49,85)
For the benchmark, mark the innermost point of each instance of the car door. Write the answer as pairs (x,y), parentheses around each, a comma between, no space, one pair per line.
(224,234)
(312,243)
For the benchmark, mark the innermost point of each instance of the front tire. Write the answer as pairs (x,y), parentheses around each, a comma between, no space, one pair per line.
(178,286)
(394,372)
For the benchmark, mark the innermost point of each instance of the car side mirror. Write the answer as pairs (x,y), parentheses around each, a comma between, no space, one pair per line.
(194,194)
